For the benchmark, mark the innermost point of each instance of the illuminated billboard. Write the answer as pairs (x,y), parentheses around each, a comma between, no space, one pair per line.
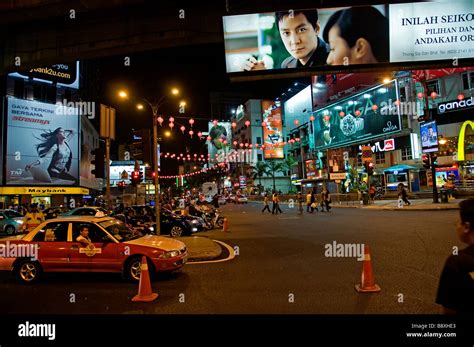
(273,130)
(221,140)
(42,144)
(429,137)
(64,75)
(370,114)
(315,38)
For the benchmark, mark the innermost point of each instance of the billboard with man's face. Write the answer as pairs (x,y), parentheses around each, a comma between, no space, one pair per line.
(42,144)
(344,36)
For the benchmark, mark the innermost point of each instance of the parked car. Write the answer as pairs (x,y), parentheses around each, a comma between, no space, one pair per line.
(221,200)
(10,221)
(54,211)
(116,248)
(241,199)
(84,211)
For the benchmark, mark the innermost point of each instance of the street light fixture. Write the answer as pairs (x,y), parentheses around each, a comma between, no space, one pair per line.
(155,106)
(123,94)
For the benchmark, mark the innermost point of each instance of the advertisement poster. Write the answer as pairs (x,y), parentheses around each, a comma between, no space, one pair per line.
(65,75)
(42,144)
(370,114)
(219,133)
(89,142)
(273,131)
(429,137)
(310,168)
(431,31)
(314,38)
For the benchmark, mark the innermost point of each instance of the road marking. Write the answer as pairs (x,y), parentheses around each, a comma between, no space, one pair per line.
(290,217)
(230,257)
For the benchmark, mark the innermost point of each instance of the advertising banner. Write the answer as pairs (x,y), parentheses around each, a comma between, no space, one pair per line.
(273,131)
(117,173)
(370,114)
(219,133)
(65,75)
(429,137)
(42,144)
(310,168)
(89,142)
(314,38)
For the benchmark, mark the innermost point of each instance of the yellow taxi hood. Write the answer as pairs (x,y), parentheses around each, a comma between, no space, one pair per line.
(13,237)
(165,243)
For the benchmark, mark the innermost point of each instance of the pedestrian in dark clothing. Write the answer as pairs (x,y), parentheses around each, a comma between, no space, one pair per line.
(402,194)
(456,284)
(265,201)
(326,199)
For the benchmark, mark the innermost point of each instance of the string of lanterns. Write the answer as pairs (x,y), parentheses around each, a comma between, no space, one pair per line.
(195,173)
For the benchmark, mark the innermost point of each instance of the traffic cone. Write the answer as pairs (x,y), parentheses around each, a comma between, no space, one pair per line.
(225,227)
(367,282)
(144,288)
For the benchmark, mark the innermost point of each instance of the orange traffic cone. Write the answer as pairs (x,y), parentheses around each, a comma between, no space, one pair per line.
(367,282)
(144,288)
(225,227)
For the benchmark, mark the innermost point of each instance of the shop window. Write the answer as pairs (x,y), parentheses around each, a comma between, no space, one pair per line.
(380,158)
(406,154)
(468,80)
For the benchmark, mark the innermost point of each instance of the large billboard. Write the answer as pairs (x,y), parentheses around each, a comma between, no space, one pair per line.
(221,140)
(65,75)
(273,130)
(315,38)
(42,144)
(370,114)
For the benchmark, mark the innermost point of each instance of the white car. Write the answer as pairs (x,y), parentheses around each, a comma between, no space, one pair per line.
(241,199)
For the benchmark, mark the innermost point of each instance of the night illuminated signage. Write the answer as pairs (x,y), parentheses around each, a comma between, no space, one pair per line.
(456,105)
(65,75)
(273,131)
(461,142)
(429,137)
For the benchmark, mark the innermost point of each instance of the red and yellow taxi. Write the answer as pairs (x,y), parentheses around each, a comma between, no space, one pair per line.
(52,247)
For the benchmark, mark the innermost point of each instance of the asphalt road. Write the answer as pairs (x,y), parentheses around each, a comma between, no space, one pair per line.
(281,267)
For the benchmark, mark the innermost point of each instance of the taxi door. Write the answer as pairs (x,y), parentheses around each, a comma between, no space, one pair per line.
(102,257)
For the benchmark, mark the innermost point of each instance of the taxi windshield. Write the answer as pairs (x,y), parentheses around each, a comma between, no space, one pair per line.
(119,230)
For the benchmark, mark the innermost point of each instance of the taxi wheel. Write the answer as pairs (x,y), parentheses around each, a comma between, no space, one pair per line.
(10,229)
(176,231)
(133,268)
(220,222)
(28,271)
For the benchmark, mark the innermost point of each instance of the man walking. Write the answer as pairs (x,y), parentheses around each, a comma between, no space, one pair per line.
(265,201)
(276,206)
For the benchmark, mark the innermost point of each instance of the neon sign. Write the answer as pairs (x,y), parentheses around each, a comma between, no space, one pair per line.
(461,142)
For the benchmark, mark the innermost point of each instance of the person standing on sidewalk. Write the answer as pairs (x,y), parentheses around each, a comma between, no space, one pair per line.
(326,199)
(32,219)
(299,200)
(265,202)
(456,284)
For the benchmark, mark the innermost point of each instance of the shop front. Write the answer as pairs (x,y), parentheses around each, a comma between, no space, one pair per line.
(43,196)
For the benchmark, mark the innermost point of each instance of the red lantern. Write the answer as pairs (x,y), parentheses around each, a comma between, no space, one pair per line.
(296,122)
(171,119)
(247,123)
(182,128)
(297,139)
(160,120)
(374,108)
(191,121)
(420,95)
(250,146)
(241,145)
(264,124)
(209,139)
(235,143)
(397,102)
(200,134)
(341,114)
(234,124)
(433,95)
(311,118)
(171,125)
(191,133)
(215,122)
(327,118)
(357,113)
(246,144)
(461,97)
(224,142)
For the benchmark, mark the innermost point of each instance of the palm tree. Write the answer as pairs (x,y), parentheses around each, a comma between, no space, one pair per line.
(259,170)
(275,166)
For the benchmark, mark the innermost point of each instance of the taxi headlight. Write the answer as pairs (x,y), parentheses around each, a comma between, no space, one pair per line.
(170,254)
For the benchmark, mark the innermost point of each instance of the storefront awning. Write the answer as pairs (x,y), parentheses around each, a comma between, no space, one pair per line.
(400,168)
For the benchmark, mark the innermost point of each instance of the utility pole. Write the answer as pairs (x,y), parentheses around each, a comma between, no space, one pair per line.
(107,131)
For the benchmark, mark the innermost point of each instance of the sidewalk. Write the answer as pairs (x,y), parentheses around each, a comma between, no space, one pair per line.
(416,205)
(201,248)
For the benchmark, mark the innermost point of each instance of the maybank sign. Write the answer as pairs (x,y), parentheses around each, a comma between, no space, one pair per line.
(462,135)
(42,191)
